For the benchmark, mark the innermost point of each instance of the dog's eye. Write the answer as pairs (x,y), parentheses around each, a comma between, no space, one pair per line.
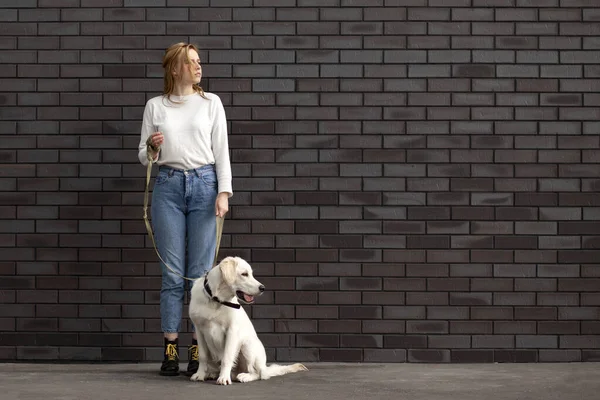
(244,274)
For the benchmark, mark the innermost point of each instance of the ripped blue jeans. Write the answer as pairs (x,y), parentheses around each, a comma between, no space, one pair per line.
(183,220)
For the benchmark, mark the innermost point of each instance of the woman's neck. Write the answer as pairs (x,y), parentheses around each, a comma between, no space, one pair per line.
(183,90)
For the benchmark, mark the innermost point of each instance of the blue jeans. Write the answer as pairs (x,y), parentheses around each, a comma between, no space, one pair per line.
(183,218)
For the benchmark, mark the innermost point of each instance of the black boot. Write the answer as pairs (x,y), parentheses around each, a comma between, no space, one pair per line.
(193,358)
(170,365)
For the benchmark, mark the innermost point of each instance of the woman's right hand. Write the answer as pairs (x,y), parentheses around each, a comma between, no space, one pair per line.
(155,140)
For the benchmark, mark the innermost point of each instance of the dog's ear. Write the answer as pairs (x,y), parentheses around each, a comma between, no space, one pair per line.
(228,270)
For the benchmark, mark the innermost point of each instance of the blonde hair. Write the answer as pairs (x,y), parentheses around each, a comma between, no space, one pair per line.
(176,53)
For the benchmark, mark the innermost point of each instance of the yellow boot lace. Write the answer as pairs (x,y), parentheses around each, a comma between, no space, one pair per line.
(171,352)
(194,352)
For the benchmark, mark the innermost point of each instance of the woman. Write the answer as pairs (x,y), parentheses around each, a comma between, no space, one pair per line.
(184,131)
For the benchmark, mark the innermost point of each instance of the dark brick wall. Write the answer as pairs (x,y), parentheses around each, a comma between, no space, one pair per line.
(416,180)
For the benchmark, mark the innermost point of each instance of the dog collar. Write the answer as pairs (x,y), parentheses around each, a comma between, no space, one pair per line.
(215,298)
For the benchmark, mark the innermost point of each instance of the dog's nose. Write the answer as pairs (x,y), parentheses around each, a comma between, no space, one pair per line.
(261,288)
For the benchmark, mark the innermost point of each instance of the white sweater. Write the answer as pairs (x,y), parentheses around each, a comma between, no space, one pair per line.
(195,134)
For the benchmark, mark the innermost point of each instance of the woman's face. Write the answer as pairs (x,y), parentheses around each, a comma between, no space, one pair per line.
(190,73)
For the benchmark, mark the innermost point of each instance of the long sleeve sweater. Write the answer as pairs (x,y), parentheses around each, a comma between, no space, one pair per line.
(195,134)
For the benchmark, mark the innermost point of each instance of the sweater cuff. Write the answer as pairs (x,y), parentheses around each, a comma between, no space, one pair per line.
(225,187)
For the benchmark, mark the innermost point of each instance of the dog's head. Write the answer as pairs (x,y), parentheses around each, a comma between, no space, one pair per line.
(237,276)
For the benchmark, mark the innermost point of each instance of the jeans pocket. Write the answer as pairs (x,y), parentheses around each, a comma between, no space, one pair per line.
(209,178)
(161,178)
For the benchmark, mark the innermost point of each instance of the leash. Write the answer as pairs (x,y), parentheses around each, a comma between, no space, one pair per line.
(149,228)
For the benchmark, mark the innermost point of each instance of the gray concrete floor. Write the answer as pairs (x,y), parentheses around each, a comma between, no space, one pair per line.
(564,381)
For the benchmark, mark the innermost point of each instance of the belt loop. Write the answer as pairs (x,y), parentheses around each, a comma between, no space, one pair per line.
(171,172)
(198,173)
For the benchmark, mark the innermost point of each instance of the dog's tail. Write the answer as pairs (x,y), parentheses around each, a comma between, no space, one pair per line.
(278,370)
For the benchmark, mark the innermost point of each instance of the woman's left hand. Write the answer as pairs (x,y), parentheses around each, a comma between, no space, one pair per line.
(222,204)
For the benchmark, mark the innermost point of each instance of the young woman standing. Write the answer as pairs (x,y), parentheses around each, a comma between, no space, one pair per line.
(184,131)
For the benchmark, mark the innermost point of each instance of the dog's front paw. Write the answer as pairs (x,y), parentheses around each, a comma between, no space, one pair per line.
(224,380)
(200,374)
(197,377)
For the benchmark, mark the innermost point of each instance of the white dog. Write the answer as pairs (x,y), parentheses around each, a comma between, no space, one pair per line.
(226,336)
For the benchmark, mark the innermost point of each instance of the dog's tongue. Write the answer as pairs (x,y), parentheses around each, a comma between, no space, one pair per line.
(248,298)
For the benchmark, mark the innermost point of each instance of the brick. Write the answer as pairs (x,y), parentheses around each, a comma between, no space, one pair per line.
(437,3)
(493,28)
(144,3)
(530,113)
(362,28)
(493,56)
(363,341)
(429,355)
(514,356)
(62,3)
(39,15)
(562,327)
(536,28)
(12,15)
(18,28)
(379,355)
(345,42)
(318,28)
(378,14)
(8,43)
(273,28)
(492,341)
(559,355)
(559,299)
(582,341)
(513,42)
(450,341)
(515,327)
(19,3)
